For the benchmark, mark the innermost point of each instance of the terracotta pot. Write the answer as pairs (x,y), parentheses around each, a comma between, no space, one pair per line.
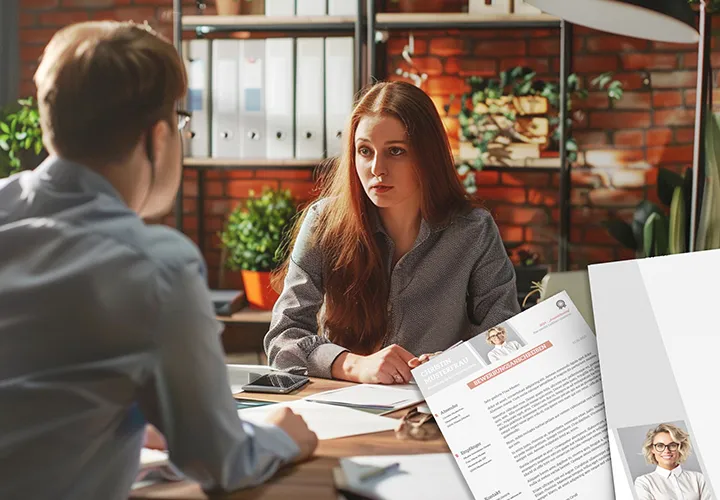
(228,7)
(258,291)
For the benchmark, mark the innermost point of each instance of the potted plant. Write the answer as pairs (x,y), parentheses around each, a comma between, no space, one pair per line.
(254,237)
(20,138)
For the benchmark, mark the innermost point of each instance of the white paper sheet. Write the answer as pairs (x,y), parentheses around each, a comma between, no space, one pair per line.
(395,397)
(327,421)
(430,476)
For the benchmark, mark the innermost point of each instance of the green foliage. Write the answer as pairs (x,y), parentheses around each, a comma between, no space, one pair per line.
(20,137)
(255,232)
(519,81)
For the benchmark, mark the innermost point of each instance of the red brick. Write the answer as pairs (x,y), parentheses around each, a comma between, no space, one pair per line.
(446,85)
(27,71)
(27,88)
(31,53)
(634,100)
(690,95)
(189,223)
(543,196)
(511,233)
(615,197)
(498,48)
(590,138)
(540,234)
(301,190)
(690,60)
(595,100)
(217,207)
(674,117)
(452,127)
(300,175)
(614,43)
(585,255)
(88,4)
(544,46)
(666,98)
(537,64)
(241,189)
(670,154)
(634,61)
(190,187)
(619,119)
(507,194)
(521,215)
(443,46)
(630,81)
(487,178)
(395,45)
(38,4)
(214,189)
(658,136)
(595,64)
(36,36)
(137,14)
(583,178)
(530,179)
(634,138)
(684,135)
(189,206)
(471,66)
(584,215)
(26,19)
(598,235)
(673,47)
(63,18)
(673,79)
(240,174)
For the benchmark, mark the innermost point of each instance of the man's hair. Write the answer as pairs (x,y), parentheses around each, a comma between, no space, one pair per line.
(101,85)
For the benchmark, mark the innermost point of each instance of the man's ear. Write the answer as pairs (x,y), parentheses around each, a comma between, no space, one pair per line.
(157,140)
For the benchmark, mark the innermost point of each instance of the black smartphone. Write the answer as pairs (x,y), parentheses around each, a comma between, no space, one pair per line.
(278,383)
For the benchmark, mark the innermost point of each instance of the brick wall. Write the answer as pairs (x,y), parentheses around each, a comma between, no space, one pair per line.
(652,126)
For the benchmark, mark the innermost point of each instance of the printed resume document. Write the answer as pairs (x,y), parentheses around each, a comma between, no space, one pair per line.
(658,336)
(521,407)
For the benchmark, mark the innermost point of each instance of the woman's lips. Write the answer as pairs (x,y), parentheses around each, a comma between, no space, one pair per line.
(381,188)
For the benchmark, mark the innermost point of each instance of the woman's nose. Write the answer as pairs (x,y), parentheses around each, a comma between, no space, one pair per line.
(377,167)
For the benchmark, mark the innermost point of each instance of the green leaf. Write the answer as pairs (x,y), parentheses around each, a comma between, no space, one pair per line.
(623,232)
(667,181)
(4,127)
(642,213)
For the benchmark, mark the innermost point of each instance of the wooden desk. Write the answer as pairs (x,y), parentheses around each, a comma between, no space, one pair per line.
(313,478)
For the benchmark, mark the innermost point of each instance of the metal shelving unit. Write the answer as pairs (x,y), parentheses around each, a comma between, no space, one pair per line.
(364,28)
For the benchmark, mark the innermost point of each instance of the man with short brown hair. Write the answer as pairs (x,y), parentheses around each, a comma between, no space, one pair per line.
(106,322)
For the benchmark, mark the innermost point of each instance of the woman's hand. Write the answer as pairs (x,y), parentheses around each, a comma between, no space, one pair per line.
(423,358)
(387,366)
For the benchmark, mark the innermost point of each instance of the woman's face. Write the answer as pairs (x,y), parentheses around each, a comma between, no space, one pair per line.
(385,164)
(666,458)
(497,337)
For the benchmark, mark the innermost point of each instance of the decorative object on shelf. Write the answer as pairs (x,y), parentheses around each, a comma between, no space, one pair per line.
(510,118)
(20,138)
(418,5)
(254,237)
(501,7)
(414,75)
(228,7)
(238,7)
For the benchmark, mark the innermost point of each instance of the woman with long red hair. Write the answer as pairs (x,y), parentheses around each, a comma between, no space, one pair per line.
(394,261)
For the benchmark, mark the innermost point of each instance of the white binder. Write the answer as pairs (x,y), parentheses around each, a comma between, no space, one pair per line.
(310,105)
(279,97)
(226,142)
(312,7)
(339,90)
(252,99)
(342,7)
(279,7)
(197,63)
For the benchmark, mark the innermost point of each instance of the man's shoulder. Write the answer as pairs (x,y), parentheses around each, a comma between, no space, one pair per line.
(167,247)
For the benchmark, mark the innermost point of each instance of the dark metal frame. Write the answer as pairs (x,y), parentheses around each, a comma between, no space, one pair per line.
(566,39)
(365,27)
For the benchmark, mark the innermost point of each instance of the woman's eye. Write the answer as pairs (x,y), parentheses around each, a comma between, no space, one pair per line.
(395,151)
(364,151)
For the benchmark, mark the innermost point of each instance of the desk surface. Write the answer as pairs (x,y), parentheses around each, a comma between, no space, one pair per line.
(313,478)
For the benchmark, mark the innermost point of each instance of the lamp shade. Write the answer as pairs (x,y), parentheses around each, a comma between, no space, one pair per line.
(660,20)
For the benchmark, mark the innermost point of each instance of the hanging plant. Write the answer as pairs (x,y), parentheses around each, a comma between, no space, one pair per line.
(515,109)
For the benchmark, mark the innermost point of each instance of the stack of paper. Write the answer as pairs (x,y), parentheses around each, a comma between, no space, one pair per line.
(431,476)
(327,421)
(380,399)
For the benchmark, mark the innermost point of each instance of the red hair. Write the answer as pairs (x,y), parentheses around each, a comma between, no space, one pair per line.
(356,288)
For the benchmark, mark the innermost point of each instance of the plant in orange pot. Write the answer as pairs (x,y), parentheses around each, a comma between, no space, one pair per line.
(254,237)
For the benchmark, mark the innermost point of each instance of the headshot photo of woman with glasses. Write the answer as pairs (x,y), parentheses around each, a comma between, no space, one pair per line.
(497,337)
(668,447)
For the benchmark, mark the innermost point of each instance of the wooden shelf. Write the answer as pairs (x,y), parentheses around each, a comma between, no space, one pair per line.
(445,20)
(207,24)
(233,163)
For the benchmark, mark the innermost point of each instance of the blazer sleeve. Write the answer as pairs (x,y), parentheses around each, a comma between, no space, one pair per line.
(292,343)
(492,291)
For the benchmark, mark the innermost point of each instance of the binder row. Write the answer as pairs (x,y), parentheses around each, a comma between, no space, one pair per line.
(276,98)
(310,7)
